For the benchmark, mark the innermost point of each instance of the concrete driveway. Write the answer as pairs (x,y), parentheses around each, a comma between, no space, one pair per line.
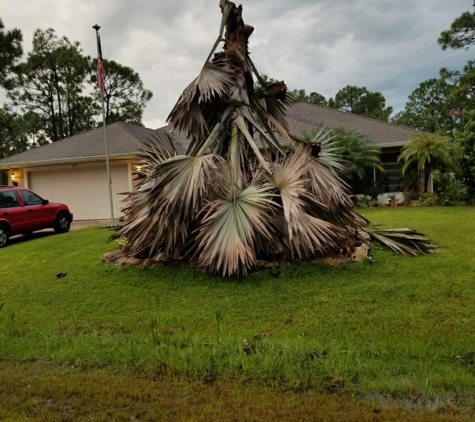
(84,224)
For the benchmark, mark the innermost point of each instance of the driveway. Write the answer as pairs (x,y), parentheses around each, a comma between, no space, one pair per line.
(84,224)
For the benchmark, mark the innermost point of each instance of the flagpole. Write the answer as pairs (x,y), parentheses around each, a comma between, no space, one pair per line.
(100,84)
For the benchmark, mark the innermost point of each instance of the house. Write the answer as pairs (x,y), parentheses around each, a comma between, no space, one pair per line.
(73,170)
(302,117)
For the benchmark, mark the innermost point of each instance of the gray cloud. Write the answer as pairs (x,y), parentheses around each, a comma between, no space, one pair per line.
(319,45)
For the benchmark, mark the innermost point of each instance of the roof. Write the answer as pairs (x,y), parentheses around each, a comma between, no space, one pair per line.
(175,138)
(303,117)
(126,140)
(123,140)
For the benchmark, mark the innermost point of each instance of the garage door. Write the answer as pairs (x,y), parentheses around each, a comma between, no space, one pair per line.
(84,190)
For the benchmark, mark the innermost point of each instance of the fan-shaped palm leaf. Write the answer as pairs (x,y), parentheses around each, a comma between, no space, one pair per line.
(234,228)
(324,172)
(305,234)
(212,82)
(160,216)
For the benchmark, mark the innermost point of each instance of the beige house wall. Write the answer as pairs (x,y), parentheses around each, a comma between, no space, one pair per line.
(22,176)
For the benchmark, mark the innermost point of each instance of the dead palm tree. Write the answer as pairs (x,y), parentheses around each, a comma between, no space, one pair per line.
(245,188)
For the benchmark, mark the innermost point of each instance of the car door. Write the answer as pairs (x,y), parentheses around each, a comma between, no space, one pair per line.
(40,216)
(13,213)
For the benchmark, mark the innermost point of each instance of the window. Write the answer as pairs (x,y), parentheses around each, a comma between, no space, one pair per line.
(29,198)
(8,199)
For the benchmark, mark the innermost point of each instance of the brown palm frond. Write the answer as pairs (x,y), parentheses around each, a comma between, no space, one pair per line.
(209,142)
(311,235)
(159,217)
(305,234)
(234,227)
(324,171)
(268,120)
(328,154)
(212,83)
(277,110)
(259,123)
(403,241)
(241,124)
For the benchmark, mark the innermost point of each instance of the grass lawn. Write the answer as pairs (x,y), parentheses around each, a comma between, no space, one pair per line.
(394,340)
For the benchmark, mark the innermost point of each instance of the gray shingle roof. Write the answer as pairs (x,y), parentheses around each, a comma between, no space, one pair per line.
(126,140)
(174,137)
(123,140)
(302,117)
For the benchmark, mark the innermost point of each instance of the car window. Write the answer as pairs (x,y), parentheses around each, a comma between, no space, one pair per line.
(8,199)
(29,198)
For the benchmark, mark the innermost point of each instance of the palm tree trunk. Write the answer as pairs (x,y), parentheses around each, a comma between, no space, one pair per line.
(427,172)
(237,37)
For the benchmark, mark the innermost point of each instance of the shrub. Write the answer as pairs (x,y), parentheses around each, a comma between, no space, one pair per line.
(375,189)
(428,199)
(449,189)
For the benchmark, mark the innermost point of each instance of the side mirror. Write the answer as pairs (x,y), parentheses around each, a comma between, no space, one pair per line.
(45,202)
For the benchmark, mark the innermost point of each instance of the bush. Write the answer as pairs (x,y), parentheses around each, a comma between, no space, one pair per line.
(428,199)
(449,189)
(375,189)
(367,202)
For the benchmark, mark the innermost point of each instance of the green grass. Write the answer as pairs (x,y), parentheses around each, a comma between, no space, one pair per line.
(398,329)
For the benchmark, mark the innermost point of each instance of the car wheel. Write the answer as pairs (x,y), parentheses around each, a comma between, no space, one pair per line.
(62,223)
(3,236)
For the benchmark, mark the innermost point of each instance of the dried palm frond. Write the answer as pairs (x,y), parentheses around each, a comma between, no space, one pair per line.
(325,170)
(259,122)
(403,241)
(233,228)
(212,83)
(241,124)
(159,217)
(305,234)
(327,148)
(267,120)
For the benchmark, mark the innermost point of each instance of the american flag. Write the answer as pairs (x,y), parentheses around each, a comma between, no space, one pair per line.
(100,68)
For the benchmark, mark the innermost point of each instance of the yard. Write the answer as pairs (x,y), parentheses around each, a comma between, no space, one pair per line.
(390,341)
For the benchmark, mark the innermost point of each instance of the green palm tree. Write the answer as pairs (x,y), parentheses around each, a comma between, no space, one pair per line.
(425,153)
(245,189)
(359,153)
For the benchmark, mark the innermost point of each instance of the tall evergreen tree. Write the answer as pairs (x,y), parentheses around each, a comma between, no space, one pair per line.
(314,97)
(51,83)
(466,140)
(125,97)
(461,33)
(361,101)
(11,51)
(428,107)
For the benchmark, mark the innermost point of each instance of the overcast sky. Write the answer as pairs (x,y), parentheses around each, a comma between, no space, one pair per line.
(318,45)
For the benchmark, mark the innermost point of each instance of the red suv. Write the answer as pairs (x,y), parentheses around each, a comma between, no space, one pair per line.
(23,212)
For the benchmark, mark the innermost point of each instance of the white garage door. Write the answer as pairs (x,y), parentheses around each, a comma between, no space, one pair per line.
(84,190)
